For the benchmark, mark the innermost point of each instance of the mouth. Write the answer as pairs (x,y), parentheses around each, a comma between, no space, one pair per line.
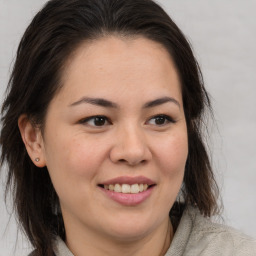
(128,191)
(127,188)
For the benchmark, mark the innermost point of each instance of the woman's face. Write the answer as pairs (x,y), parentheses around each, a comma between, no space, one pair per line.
(117,123)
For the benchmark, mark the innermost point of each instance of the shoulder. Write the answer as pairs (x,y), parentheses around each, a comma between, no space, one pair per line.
(32,253)
(217,239)
(59,248)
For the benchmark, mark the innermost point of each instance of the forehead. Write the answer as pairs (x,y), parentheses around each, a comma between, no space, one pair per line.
(120,64)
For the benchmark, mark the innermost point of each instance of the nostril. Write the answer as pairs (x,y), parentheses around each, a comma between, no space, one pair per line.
(132,162)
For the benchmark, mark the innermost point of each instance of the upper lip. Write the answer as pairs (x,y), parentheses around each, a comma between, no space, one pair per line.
(129,180)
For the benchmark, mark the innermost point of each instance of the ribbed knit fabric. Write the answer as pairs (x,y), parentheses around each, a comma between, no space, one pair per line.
(197,236)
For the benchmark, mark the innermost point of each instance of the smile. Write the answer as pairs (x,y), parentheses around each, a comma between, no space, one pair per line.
(128,191)
(126,188)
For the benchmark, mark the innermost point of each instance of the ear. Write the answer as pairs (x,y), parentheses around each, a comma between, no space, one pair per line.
(33,140)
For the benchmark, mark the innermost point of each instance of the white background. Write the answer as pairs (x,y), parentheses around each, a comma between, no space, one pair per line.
(223,35)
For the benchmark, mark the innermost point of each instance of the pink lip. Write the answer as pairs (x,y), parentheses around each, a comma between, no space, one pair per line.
(129,180)
(128,199)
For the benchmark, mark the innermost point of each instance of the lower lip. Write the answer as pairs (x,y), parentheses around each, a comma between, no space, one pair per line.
(128,199)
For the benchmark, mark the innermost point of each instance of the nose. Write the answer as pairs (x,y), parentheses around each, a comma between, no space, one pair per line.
(130,147)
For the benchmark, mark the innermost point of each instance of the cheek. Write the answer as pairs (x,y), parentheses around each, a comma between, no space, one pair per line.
(85,158)
(172,154)
(75,159)
(73,166)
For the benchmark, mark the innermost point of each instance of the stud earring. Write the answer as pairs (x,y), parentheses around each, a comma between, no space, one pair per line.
(37,159)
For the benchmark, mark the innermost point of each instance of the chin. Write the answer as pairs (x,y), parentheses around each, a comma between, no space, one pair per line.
(131,229)
(130,234)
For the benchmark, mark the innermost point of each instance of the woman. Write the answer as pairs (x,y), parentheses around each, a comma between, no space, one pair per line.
(102,134)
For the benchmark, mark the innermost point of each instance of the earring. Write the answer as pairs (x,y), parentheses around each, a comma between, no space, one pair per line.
(37,159)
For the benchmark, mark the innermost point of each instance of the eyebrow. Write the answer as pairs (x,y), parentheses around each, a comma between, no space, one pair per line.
(96,101)
(160,101)
(109,104)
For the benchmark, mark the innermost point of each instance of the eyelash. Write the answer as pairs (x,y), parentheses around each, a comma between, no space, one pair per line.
(91,118)
(167,119)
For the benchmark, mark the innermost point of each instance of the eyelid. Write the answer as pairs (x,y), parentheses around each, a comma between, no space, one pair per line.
(167,117)
(85,121)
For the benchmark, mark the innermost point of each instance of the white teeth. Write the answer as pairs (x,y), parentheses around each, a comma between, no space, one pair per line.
(126,188)
(135,189)
(118,188)
(145,186)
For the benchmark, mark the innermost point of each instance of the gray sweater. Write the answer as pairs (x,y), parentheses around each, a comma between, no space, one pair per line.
(197,236)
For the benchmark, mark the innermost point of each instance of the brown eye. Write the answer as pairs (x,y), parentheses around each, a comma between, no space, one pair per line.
(161,120)
(95,121)
(99,121)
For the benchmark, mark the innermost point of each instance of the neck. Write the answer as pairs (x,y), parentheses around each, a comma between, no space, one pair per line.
(155,244)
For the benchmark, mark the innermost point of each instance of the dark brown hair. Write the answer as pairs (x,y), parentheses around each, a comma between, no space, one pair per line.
(53,35)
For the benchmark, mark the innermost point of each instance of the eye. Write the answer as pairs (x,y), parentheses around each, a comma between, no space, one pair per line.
(95,121)
(160,120)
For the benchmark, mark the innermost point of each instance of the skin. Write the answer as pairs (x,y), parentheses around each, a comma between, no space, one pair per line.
(80,155)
